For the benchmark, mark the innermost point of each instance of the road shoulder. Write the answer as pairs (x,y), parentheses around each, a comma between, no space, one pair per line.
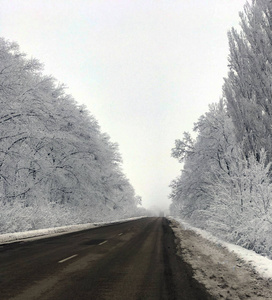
(224,274)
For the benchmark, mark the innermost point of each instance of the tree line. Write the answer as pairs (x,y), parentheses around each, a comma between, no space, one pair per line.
(56,166)
(225,184)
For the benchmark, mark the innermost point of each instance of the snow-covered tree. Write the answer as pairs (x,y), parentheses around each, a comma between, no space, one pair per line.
(202,159)
(225,185)
(247,89)
(56,166)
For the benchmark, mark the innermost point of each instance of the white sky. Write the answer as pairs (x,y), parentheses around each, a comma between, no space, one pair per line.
(146,69)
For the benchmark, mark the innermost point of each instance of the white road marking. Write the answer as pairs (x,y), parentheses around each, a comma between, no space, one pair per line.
(102,243)
(65,259)
(120,233)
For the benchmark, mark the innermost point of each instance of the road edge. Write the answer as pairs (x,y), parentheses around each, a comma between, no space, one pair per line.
(8,238)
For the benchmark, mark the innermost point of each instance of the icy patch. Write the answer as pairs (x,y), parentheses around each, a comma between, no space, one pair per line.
(48,232)
(260,264)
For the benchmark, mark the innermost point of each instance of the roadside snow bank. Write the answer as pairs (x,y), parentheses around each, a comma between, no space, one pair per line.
(259,263)
(48,232)
(227,271)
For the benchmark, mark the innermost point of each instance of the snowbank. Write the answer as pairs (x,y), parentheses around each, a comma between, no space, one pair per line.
(259,263)
(48,232)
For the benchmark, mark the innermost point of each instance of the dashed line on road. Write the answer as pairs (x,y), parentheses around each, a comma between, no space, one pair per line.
(120,233)
(65,259)
(102,243)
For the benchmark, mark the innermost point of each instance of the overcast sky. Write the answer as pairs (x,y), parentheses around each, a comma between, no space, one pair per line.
(146,69)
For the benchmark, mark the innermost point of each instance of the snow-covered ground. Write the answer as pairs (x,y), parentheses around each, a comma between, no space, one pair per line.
(228,271)
(49,232)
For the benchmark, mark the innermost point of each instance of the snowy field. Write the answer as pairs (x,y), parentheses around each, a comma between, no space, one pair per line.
(49,232)
(227,271)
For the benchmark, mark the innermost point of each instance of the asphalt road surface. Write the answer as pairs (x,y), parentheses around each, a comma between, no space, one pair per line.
(131,260)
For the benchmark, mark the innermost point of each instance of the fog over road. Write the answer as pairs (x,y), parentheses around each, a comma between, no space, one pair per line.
(131,260)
